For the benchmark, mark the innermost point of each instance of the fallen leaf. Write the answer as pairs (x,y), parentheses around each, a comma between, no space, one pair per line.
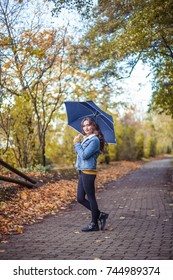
(2,205)
(23,195)
(99,241)
(20,229)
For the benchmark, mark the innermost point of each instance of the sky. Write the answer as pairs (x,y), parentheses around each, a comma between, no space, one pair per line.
(138,88)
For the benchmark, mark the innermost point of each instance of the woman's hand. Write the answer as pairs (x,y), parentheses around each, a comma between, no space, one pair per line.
(78,138)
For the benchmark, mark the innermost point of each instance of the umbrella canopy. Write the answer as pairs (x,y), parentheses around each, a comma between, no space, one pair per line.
(77,110)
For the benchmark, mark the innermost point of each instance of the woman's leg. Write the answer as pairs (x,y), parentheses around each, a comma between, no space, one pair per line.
(86,186)
(88,182)
(81,194)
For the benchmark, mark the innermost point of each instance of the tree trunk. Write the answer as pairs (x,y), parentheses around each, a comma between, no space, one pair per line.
(16,181)
(14,170)
(43,150)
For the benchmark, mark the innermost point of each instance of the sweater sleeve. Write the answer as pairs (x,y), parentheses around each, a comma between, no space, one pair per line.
(89,150)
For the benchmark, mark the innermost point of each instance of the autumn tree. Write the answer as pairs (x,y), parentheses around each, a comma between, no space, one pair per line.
(6,125)
(124,32)
(34,68)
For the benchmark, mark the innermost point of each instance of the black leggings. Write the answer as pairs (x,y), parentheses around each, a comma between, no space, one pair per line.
(86,186)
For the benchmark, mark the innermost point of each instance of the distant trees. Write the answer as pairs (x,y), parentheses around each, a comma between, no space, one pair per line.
(136,139)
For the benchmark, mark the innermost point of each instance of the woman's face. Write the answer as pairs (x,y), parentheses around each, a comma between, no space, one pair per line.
(88,128)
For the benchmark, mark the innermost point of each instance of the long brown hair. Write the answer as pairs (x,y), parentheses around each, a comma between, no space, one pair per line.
(97,132)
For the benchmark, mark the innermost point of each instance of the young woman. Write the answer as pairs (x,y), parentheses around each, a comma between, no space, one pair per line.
(87,151)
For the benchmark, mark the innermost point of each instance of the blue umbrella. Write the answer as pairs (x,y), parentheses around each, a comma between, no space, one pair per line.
(77,110)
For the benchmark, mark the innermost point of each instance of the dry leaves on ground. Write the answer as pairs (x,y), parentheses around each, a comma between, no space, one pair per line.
(32,205)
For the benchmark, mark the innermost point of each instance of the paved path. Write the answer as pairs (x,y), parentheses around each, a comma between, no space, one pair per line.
(140,225)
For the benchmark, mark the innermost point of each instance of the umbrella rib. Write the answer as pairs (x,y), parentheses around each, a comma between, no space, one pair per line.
(108,125)
(102,113)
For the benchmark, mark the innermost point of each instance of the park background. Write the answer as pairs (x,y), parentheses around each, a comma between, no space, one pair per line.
(116,53)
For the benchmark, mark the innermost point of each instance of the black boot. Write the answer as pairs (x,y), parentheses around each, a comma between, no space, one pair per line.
(102,218)
(91,227)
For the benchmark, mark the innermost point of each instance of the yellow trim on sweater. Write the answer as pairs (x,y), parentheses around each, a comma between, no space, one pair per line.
(91,172)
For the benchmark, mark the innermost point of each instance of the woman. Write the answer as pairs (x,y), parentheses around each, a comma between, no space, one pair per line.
(87,152)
